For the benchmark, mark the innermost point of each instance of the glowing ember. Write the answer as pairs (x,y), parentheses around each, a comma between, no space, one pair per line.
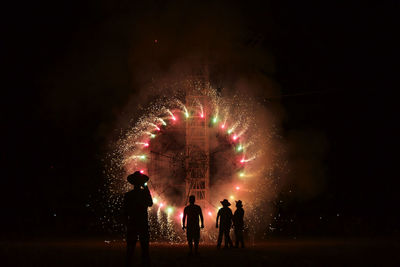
(170,210)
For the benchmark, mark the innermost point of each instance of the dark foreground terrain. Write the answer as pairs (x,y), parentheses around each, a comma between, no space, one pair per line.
(351,252)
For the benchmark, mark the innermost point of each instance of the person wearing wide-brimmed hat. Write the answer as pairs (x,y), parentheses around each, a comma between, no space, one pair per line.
(225,223)
(136,203)
(238,224)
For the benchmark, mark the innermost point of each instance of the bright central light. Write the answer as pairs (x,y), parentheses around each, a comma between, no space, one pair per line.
(170,210)
(237,187)
(209,213)
(155,200)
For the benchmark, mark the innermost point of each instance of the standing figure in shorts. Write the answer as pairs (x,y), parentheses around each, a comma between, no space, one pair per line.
(192,212)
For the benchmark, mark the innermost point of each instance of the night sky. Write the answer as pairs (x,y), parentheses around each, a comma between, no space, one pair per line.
(70,68)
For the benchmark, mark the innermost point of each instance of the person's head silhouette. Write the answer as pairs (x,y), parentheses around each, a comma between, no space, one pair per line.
(225,203)
(138,179)
(192,199)
(239,204)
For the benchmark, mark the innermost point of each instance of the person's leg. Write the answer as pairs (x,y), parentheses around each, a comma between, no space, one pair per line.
(229,238)
(131,238)
(226,234)
(241,238)
(190,243)
(220,237)
(236,238)
(130,252)
(144,244)
(196,240)
(196,245)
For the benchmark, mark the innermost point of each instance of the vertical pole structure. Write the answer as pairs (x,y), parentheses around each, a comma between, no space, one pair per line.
(197,143)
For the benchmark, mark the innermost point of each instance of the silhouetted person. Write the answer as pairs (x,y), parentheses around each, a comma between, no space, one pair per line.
(225,224)
(136,203)
(192,212)
(238,224)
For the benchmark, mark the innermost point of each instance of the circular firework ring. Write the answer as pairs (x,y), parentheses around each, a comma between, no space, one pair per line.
(211,146)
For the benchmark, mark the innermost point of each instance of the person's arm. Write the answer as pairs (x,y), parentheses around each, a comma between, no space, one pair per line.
(125,209)
(216,224)
(149,199)
(201,218)
(183,219)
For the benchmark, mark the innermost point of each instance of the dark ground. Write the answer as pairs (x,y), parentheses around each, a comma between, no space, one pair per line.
(308,252)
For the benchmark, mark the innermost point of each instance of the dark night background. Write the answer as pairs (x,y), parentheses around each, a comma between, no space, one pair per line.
(334,64)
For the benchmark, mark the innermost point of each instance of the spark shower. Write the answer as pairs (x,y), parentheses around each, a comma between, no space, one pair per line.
(243,160)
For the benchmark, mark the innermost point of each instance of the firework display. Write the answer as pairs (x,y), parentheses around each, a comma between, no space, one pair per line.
(240,162)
